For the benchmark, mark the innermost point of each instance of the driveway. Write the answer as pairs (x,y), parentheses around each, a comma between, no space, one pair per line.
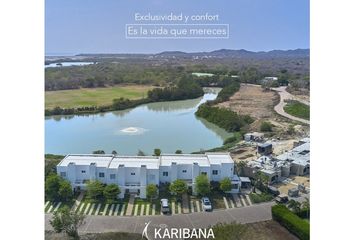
(284,95)
(136,224)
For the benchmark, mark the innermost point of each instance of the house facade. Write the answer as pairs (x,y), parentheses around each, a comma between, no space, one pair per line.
(133,173)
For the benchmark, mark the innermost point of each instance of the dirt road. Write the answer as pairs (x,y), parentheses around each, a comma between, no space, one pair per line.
(284,95)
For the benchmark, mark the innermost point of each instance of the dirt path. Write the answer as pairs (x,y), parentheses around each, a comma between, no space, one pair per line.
(284,95)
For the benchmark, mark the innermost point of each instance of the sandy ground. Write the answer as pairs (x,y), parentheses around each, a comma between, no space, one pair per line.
(246,154)
(279,147)
(252,100)
(284,187)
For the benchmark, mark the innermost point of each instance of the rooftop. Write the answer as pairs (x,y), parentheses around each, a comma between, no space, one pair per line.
(299,155)
(201,159)
(101,160)
(151,162)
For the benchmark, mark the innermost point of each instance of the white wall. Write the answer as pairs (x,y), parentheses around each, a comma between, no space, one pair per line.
(129,178)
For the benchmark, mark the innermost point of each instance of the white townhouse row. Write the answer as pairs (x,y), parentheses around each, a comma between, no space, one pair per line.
(133,173)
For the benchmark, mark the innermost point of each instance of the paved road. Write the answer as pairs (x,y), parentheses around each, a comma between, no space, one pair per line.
(284,95)
(136,224)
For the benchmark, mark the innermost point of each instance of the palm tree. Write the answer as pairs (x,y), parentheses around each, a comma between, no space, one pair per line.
(240,167)
(261,181)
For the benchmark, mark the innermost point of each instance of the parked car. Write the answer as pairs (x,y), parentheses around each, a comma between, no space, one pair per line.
(165,207)
(282,198)
(206,204)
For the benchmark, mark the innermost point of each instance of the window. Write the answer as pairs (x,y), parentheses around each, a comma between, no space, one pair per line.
(101,174)
(62,174)
(204,173)
(165,174)
(215,172)
(133,173)
(184,171)
(83,171)
(112,176)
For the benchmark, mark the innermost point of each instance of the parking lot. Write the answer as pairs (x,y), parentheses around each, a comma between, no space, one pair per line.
(100,223)
(145,208)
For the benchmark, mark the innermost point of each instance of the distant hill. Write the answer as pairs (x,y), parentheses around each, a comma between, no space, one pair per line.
(221,53)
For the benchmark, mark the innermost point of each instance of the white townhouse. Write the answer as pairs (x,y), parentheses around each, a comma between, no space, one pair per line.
(133,173)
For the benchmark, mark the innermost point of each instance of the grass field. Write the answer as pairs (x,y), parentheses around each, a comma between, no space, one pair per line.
(93,96)
(298,109)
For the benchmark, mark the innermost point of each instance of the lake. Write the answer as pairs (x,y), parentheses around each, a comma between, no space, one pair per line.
(165,125)
(68,64)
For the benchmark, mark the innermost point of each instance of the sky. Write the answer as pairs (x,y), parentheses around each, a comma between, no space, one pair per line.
(98,26)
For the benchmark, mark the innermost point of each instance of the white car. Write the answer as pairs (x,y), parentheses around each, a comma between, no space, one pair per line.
(206,204)
(165,208)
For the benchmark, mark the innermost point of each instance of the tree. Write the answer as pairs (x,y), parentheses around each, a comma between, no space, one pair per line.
(202,185)
(240,167)
(225,185)
(94,190)
(151,191)
(52,185)
(157,152)
(65,191)
(111,192)
(98,152)
(114,152)
(266,127)
(294,206)
(178,187)
(306,206)
(141,153)
(261,181)
(178,151)
(66,221)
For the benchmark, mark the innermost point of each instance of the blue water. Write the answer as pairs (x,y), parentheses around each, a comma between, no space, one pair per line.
(167,125)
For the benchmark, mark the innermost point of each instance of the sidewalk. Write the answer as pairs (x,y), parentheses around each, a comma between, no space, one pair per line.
(130,207)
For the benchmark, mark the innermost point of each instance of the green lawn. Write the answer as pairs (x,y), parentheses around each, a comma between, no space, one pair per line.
(93,96)
(298,109)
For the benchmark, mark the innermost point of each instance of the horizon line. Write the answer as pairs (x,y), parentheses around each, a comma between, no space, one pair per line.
(53,54)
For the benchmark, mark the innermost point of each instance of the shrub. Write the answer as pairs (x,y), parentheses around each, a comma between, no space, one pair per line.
(235,138)
(263,197)
(304,213)
(202,185)
(178,187)
(292,222)
(151,191)
(224,118)
(225,185)
(157,152)
(111,192)
(266,127)
(94,190)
